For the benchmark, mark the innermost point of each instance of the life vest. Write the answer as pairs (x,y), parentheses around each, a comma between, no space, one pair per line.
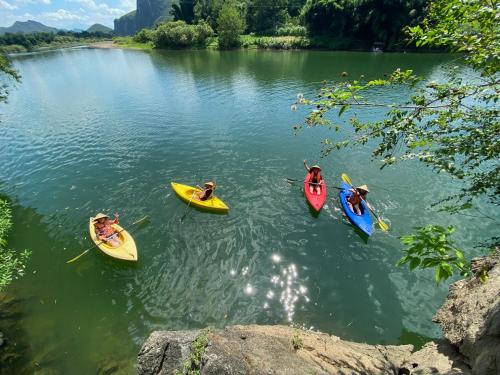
(315,177)
(105,230)
(355,198)
(207,193)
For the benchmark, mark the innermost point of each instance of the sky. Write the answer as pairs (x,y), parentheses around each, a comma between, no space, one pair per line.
(64,14)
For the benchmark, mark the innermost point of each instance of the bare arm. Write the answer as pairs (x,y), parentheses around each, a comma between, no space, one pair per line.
(306,166)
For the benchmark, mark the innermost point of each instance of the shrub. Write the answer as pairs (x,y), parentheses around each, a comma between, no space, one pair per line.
(282,42)
(179,34)
(291,30)
(144,36)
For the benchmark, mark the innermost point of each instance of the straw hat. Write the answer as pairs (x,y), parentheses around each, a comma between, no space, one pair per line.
(363,187)
(100,216)
(316,166)
(209,184)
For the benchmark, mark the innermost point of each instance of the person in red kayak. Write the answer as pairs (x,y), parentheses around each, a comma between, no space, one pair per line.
(357,195)
(207,191)
(316,178)
(105,231)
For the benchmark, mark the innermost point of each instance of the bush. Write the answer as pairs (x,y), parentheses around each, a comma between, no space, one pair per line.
(144,36)
(291,30)
(282,42)
(179,34)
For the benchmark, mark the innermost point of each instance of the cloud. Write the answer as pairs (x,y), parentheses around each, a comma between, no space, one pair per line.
(128,5)
(24,2)
(100,8)
(6,5)
(62,15)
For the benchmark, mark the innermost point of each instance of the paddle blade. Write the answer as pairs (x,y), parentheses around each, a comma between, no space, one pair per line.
(382,225)
(346,179)
(78,256)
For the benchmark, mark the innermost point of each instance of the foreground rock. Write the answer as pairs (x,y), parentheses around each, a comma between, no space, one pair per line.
(257,349)
(470,317)
(470,320)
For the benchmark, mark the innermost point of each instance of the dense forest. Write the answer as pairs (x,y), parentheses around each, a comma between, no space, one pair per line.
(353,23)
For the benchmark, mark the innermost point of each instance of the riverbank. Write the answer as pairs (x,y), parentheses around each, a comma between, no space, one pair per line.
(55,45)
(469,319)
(271,43)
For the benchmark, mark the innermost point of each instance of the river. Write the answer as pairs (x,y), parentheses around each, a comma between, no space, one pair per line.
(108,130)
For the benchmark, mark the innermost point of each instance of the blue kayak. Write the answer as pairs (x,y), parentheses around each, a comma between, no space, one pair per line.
(363,221)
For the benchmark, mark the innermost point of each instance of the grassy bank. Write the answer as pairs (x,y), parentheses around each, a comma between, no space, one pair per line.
(263,42)
(36,45)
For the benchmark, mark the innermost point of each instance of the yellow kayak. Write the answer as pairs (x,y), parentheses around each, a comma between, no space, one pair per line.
(126,251)
(186,192)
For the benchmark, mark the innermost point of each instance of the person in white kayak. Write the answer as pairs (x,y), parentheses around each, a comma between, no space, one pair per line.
(316,178)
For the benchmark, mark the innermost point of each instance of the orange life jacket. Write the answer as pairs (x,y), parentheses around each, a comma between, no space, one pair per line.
(104,230)
(355,198)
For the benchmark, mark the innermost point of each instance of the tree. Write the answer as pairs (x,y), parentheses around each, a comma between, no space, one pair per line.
(450,126)
(230,25)
(183,11)
(265,16)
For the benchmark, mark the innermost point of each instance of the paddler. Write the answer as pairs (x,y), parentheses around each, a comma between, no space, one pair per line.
(207,191)
(316,178)
(104,229)
(357,195)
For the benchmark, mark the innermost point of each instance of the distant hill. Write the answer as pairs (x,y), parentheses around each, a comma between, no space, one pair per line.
(97,27)
(27,27)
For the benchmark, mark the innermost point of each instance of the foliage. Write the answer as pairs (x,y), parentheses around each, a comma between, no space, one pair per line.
(281,42)
(367,20)
(183,11)
(144,36)
(291,30)
(179,34)
(193,361)
(431,247)
(230,25)
(297,342)
(451,126)
(7,71)
(265,16)
(12,264)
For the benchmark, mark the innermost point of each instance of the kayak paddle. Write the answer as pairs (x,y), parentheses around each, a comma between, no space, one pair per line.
(90,248)
(380,222)
(187,209)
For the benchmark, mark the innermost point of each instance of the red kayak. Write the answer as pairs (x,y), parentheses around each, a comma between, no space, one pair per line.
(316,201)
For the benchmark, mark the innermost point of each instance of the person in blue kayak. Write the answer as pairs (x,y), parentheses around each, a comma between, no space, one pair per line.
(316,178)
(357,195)
(207,192)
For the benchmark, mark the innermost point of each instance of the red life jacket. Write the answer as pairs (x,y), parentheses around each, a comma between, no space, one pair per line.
(315,176)
(104,230)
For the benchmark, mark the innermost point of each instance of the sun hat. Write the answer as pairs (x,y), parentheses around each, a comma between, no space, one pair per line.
(211,184)
(316,166)
(363,187)
(100,216)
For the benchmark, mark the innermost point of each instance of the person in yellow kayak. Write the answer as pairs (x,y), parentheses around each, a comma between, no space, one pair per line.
(206,192)
(314,182)
(105,231)
(357,195)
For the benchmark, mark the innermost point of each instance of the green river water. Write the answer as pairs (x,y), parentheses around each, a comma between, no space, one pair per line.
(107,130)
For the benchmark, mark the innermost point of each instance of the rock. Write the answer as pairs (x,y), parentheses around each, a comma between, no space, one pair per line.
(268,350)
(147,14)
(165,351)
(470,317)
(437,358)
